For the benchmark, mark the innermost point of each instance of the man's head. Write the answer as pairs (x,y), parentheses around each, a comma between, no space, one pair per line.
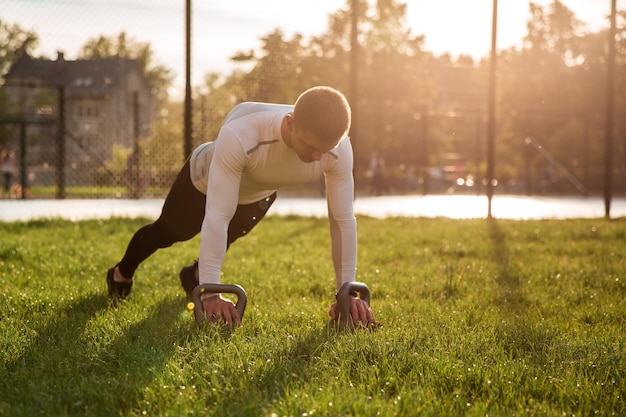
(324,113)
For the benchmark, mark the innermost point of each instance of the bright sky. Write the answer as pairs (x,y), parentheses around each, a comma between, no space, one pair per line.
(222,27)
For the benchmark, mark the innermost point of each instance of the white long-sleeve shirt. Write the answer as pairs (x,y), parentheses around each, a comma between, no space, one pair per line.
(247,162)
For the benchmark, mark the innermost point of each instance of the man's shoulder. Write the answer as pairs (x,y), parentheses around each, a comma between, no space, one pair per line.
(248,108)
(343,147)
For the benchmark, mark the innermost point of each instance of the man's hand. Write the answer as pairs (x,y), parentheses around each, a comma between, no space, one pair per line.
(220,310)
(360,312)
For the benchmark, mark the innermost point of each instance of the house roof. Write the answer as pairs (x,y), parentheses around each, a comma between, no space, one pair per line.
(98,75)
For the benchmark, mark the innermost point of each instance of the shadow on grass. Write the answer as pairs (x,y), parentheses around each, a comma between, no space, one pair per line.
(31,382)
(508,278)
(285,372)
(302,226)
(520,332)
(72,369)
(141,353)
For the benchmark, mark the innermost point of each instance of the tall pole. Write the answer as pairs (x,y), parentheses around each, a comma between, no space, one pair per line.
(23,168)
(134,186)
(61,146)
(354,71)
(187,109)
(610,108)
(136,125)
(491,122)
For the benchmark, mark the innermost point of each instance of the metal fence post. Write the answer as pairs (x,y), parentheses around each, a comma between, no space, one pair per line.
(23,169)
(61,146)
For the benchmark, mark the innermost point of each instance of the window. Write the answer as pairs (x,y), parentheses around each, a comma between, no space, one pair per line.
(88,110)
(83,82)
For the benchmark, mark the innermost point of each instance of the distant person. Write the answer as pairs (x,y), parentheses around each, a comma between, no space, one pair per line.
(8,168)
(226,187)
(377,169)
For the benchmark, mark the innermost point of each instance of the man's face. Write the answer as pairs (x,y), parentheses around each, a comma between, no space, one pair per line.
(308,147)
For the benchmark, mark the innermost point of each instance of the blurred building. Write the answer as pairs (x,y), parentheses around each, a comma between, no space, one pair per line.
(106,101)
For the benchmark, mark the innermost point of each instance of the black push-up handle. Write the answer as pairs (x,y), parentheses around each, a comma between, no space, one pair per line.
(346,292)
(196,297)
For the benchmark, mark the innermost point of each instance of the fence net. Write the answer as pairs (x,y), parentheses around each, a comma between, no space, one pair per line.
(106,117)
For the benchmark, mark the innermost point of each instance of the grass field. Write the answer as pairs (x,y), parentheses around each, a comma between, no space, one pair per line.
(497,318)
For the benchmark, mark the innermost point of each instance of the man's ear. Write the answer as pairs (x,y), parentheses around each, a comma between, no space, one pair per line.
(290,120)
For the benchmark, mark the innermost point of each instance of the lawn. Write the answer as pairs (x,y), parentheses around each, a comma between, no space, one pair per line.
(478,317)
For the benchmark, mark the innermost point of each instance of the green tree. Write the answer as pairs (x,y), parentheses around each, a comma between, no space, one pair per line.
(413,106)
(277,73)
(392,62)
(160,154)
(158,76)
(274,73)
(14,40)
(154,153)
(553,90)
(392,86)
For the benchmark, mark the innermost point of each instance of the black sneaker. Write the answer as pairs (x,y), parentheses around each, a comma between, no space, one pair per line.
(117,289)
(188,278)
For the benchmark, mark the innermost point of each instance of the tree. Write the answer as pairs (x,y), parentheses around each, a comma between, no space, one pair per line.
(284,67)
(394,90)
(277,74)
(160,161)
(14,40)
(414,106)
(158,76)
(553,90)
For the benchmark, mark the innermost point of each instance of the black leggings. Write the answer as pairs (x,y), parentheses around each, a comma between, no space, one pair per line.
(181,219)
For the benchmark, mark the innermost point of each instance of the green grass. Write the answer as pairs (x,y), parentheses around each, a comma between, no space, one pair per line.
(497,318)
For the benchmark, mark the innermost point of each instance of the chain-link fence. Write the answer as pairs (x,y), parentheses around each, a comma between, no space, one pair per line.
(75,141)
(102,124)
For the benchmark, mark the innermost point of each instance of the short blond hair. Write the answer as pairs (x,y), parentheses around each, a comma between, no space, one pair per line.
(324,112)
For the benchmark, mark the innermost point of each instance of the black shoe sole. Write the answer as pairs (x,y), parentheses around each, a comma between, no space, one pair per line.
(188,279)
(117,289)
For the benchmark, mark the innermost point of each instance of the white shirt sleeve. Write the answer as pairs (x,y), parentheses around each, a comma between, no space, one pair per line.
(227,165)
(340,198)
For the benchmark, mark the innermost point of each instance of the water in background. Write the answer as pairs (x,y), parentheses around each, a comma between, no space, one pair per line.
(450,206)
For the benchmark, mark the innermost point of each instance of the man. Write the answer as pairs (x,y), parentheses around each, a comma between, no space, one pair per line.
(227,186)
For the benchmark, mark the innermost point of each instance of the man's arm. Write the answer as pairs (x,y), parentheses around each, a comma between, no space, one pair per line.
(340,199)
(221,202)
(342,222)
